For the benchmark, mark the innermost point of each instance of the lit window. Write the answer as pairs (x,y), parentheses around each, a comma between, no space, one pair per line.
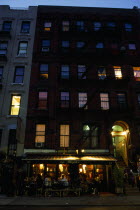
(47,26)
(40,135)
(22,50)
(80,44)
(42,103)
(104,101)
(121,99)
(64,99)
(64,72)
(99,45)
(131,46)
(128,26)
(64,135)
(101,72)
(25,27)
(91,135)
(1,72)
(80,25)
(44,71)
(15,105)
(82,100)
(45,45)
(65,25)
(3,48)
(19,74)
(81,72)
(97,26)
(6,25)
(117,72)
(136,71)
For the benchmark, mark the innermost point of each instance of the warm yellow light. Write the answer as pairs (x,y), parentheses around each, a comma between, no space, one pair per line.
(61,167)
(80,169)
(97,170)
(82,150)
(41,166)
(119,133)
(33,165)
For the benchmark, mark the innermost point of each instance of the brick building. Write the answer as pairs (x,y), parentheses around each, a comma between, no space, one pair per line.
(84,97)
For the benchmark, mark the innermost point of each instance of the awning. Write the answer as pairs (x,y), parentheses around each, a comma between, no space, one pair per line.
(68,159)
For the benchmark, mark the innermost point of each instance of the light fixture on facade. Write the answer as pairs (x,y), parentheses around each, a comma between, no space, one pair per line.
(41,166)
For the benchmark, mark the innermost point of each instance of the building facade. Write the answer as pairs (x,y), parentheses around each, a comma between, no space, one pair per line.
(17,28)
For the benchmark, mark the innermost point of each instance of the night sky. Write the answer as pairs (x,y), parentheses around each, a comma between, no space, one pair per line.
(88,3)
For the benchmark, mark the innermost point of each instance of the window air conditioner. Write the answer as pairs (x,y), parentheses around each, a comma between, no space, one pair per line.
(39,144)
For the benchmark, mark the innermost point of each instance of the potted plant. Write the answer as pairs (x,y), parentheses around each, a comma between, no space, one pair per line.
(119,180)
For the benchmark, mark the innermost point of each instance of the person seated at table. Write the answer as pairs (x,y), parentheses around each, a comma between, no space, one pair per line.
(47,181)
(64,181)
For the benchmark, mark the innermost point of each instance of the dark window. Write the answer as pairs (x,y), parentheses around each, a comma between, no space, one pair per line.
(101,72)
(65,25)
(111,25)
(64,99)
(128,27)
(12,142)
(138,100)
(1,72)
(22,49)
(19,74)
(80,25)
(25,27)
(47,26)
(121,99)
(100,45)
(42,103)
(0,136)
(81,72)
(97,26)
(3,48)
(44,71)
(80,44)
(114,45)
(90,135)
(64,72)
(7,25)
(45,45)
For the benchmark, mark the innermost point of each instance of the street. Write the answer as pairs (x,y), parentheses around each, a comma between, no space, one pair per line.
(71,208)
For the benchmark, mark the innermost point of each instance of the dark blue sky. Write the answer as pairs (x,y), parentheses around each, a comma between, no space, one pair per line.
(88,3)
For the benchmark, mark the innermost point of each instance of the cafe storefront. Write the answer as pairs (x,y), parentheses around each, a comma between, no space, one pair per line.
(74,168)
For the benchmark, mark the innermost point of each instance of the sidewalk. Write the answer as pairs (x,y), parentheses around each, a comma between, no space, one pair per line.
(92,200)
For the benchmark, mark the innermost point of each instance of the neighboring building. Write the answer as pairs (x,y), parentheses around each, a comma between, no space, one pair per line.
(17,28)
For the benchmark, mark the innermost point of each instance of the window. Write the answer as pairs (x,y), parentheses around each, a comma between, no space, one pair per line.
(47,26)
(64,135)
(81,72)
(7,26)
(132,46)
(0,136)
(64,99)
(111,25)
(80,45)
(117,72)
(138,100)
(82,100)
(99,45)
(40,135)
(1,72)
(45,45)
(136,71)
(80,25)
(42,103)
(91,135)
(25,27)
(101,72)
(19,74)
(104,101)
(3,48)
(65,25)
(15,105)
(128,27)
(44,71)
(12,142)
(64,72)
(65,45)
(22,50)
(97,26)
(121,99)
(114,45)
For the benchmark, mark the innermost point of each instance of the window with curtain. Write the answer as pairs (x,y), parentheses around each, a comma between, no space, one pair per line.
(117,72)
(104,97)
(40,135)
(64,99)
(15,105)
(44,71)
(82,100)
(81,72)
(64,135)
(42,101)
(101,72)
